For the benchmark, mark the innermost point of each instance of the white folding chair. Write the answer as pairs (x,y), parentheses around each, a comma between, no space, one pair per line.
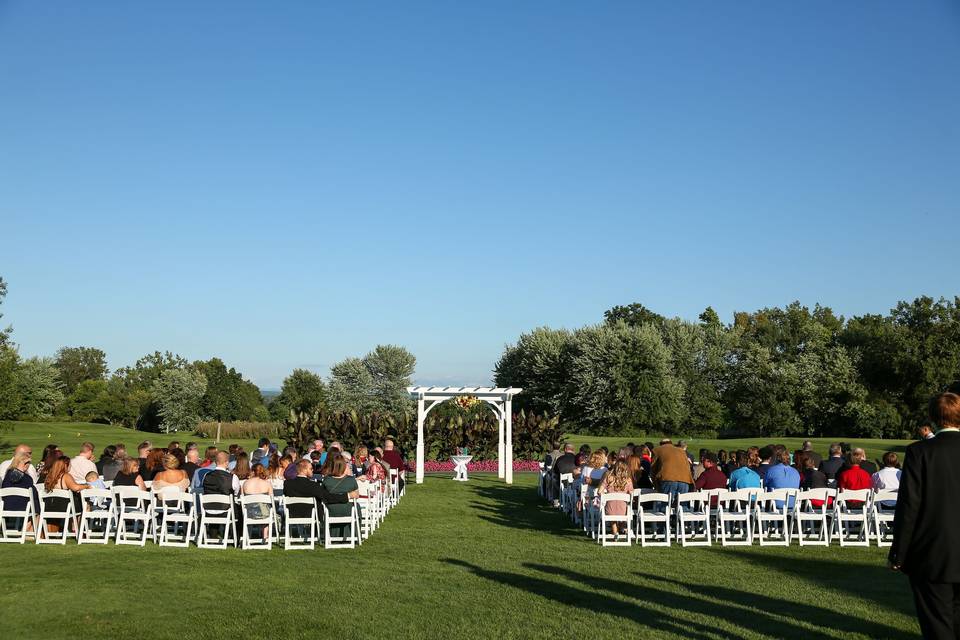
(608,539)
(134,515)
(16,524)
(851,515)
(883,507)
(693,519)
(216,511)
(96,521)
(394,487)
(292,541)
(366,509)
(811,525)
(713,502)
(340,542)
(247,541)
(654,514)
(735,517)
(174,527)
(48,513)
(566,492)
(771,515)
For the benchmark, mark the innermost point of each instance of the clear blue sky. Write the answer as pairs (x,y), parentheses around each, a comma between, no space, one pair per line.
(287,184)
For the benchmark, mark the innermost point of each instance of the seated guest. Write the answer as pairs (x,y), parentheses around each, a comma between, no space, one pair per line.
(82,463)
(50,453)
(375,472)
(698,468)
(339,483)
(360,462)
(143,450)
(241,465)
(290,470)
(59,478)
(597,469)
(94,481)
(639,476)
(753,455)
(22,449)
(563,465)
(781,475)
(743,477)
(766,456)
(868,465)
(257,484)
(394,458)
(172,475)
(129,475)
(17,476)
(192,462)
(219,481)
(711,477)
(832,465)
(108,464)
(888,478)
(583,455)
(154,464)
(617,480)
(854,478)
(303,486)
(810,476)
(210,458)
(261,455)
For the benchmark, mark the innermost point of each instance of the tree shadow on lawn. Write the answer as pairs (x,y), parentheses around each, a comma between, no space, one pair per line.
(887,589)
(520,508)
(763,615)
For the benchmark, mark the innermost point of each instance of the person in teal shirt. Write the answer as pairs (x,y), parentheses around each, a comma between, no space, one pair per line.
(743,477)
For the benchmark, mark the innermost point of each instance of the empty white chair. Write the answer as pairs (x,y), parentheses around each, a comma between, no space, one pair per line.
(96,521)
(735,517)
(625,522)
(566,484)
(366,508)
(394,487)
(348,522)
(16,524)
(811,513)
(851,515)
(52,509)
(174,526)
(654,515)
(883,507)
(258,513)
(294,527)
(771,515)
(693,519)
(218,524)
(134,515)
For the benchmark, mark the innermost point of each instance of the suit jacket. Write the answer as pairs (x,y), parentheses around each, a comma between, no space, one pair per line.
(670,463)
(926,527)
(830,467)
(564,464)
(300,487)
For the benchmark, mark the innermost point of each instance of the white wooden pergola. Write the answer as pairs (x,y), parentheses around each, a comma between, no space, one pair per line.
(500,400)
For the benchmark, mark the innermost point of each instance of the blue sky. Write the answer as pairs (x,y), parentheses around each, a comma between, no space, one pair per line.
(287,184)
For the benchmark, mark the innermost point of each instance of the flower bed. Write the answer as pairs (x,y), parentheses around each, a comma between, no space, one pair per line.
(481,466)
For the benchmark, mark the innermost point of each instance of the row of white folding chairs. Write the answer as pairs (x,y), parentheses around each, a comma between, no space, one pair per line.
(813,517)
(169,515)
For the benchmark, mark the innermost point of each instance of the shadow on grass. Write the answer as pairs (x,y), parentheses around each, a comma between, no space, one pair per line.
(519,507)
(643,603)
(876,583)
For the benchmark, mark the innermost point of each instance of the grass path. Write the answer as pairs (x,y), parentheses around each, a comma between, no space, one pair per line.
(455,560)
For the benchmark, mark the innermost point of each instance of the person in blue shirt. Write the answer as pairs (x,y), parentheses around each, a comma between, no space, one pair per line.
(781,475)
(743,477)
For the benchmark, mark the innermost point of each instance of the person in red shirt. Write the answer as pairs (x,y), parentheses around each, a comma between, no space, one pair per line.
(393,458)
(712,477)
(852,477)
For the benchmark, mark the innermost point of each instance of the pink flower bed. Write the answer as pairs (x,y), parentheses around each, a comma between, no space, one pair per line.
(481,466)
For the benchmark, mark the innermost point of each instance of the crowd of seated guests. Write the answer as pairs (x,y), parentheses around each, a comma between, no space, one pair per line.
(670,469)
(329,475)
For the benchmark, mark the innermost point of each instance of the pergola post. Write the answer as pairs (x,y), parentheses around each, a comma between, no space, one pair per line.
(508,417)
(500,451)
(421,417)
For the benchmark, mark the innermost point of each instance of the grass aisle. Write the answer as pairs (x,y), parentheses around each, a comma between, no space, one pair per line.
(455,560)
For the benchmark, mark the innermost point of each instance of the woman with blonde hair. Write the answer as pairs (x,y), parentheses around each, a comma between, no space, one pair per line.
(617,480)
(129,475)
(598,467)
(172,475)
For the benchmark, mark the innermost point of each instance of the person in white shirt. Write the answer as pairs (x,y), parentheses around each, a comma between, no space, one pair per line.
(887,478)
(21,449)
(82,463)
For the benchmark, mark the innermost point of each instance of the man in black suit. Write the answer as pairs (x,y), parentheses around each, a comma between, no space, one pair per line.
(926,528)
(832,465)
(304,486)
(564,464)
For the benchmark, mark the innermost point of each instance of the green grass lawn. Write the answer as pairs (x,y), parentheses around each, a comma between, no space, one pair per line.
(455,560)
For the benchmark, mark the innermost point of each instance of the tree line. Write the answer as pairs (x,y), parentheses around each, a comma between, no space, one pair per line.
(772,372)
(166,392)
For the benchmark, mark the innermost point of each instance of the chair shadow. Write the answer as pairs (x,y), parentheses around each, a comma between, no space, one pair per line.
(876,583)
(762,614)
(519,507)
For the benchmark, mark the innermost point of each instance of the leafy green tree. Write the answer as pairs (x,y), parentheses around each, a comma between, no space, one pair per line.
(634,314)
(9,387)
(539,363)
(77,364)
(39,387)
(621,379)
(177,393)
(351,386)
(228,395)
(302,390)
(698,359)
(760,393)
(709,318)
(4,333)
(142,376)
(391,370)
